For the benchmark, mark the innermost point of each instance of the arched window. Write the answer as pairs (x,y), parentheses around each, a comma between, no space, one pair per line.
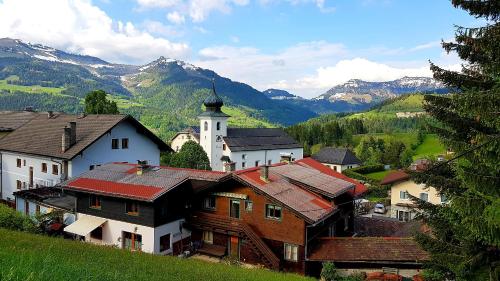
(218,126)
(206,126)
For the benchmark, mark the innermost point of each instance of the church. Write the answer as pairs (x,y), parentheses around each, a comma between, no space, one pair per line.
(230,149)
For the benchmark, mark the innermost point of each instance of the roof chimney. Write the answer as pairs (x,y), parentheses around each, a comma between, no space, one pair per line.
(264,173)
(66,139)
(141,166)
(50,114)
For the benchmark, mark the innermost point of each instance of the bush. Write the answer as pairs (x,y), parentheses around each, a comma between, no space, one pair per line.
(12,219)
(329,272)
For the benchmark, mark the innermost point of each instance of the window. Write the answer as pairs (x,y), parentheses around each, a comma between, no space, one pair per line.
(444,199)
(269,162)
(19,184)
(55,170)
(403,216)
(177,149)
(24,162)
(209,203)
(257,163)
(248,205)
(132,241)
(273,212)
(44,167)
(224,146)
(132,208)
(243,156)
(243,165)
(165,242)
(96,233)
(205,126)
(37,209)
(403,194)
(208,237)
(91,167)
(18,163)
(124,143)
(334,168)
(234,209)
(424,196)
(26,207)
(114,144)
(95,202)
(291,252)
(218,126)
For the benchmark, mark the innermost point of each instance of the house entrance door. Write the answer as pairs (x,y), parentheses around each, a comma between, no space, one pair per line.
(234,247)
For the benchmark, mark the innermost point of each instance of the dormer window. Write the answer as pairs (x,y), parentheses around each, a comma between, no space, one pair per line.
(218,126)
(205,126)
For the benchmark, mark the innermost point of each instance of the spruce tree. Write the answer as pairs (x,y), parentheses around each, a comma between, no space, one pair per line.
(464,238)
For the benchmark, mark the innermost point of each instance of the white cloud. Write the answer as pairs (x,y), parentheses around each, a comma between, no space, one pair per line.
(157,3)
(309,69)
(176,18)
(158,28)
(79,26)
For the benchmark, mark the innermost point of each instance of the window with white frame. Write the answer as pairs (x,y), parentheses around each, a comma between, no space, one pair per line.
(209,203)
(208,237)
(291,252)
(273,212)
(444,199)
(424,196)
(403,194)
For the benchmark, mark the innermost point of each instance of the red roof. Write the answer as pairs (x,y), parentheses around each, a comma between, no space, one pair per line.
(309,162)
(394,176)
(368,249)
(115,188)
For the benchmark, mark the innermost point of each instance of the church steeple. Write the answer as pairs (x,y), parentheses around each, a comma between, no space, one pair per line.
(213,104)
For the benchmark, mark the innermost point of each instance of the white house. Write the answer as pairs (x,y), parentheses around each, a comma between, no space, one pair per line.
(52,147)
(337,158)
(237,148)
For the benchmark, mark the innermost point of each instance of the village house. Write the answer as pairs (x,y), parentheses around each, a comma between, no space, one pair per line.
(337,158)
(401,187)
(47,148)
(231,149)
(268,215)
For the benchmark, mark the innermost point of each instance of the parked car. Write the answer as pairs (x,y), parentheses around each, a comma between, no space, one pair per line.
(379,208)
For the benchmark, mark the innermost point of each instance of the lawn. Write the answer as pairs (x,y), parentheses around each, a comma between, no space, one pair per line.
(26,256)
(378,175)
(407,138)
(29,89)
(430,147)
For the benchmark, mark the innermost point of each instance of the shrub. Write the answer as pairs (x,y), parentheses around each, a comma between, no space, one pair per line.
(12,219)
(329,272)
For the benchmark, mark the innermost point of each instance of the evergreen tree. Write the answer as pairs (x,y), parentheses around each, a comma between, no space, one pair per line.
(97,103)
(465,234)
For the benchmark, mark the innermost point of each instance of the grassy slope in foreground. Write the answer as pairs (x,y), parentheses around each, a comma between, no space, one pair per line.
(25,256)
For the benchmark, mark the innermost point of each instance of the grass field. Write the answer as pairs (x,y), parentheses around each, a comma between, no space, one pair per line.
(29,89)
(26,256)
(378,175)
(430,147)
(407,138)
(240,118)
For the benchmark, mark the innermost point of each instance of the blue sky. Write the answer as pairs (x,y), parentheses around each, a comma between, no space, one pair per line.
(304,46)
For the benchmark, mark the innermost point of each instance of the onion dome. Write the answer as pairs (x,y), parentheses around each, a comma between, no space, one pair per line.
(213,101)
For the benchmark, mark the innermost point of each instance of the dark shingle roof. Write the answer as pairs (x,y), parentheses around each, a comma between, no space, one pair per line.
(48,196)
(12,120)
(122,180)
(249,139)
(333,155)
(368,249)
(394,177)
(385,227)
(42,135)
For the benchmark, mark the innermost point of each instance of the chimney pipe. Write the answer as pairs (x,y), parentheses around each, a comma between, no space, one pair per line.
(264,173)
(72,140)
(66,139)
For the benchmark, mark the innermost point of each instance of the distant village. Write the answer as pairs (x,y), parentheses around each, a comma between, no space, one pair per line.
(262,202)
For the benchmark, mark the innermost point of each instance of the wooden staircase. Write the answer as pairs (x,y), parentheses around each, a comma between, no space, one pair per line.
(231,226)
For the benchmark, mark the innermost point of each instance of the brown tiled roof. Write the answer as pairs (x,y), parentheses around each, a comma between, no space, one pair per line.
(12,120)
(368,249)
(42,135)
(298,188)
(394,176)
(122,180)
(385,227)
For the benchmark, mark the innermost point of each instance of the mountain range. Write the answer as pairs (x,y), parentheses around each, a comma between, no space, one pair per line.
(167,94)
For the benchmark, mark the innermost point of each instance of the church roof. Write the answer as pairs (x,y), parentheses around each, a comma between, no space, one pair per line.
(251,139)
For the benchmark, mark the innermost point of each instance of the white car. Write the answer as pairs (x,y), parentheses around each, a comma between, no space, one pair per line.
(379,208)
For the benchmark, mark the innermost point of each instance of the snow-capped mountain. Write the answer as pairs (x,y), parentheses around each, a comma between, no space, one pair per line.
(359,91)
(277,94)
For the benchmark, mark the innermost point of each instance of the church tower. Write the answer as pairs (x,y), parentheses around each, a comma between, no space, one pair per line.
(213,127)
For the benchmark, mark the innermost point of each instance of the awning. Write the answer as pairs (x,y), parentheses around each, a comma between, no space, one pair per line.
(84,225)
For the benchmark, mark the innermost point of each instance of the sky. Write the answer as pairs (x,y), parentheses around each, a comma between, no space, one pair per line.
(302,46)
